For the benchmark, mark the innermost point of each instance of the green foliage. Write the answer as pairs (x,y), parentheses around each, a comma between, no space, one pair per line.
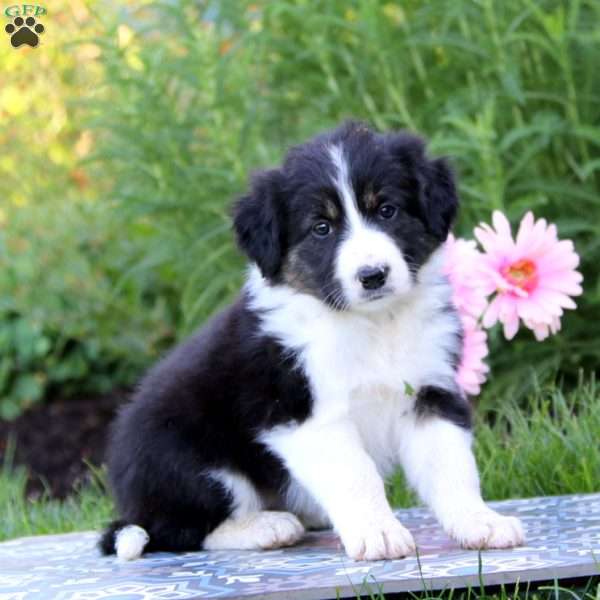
(551,449)
(70,322)
(200,94)
(76,313)
(133,127)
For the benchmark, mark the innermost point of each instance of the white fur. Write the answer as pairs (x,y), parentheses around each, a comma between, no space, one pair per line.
(130,542)
(362,367)
(359,365)
(358,361)
(256,531)
(341,180)
(364,246)
(249,526)
(246,500)
(329,460)
(302,503)
(439,464)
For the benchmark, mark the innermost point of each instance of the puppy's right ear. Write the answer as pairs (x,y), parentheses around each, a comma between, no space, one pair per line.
(437,196)
(258,222)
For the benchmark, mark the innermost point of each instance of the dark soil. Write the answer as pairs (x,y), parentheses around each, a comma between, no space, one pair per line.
(57,440)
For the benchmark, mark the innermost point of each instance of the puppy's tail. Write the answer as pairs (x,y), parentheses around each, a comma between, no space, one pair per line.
(125,540)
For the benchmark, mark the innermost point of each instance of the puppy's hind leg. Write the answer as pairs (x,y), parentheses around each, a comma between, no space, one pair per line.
(249,527)
(262,530)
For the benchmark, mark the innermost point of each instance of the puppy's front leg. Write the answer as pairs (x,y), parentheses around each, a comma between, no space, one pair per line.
(331,463)
(438,462)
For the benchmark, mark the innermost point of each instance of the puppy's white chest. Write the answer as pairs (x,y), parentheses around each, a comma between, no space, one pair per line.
(383,359)
(380,415)
(352,359)
(382,392)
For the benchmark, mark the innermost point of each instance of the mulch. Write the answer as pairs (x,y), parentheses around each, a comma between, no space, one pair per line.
(57,440)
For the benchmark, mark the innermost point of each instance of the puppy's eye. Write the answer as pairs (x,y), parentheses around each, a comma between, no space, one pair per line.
(321,229)
(387,211)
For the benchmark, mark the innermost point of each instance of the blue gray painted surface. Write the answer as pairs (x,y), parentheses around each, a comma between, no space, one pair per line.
(563,541)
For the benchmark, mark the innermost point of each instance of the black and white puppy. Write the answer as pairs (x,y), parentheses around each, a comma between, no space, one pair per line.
(335,365)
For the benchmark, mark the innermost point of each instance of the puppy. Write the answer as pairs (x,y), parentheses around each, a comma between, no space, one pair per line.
(335,365)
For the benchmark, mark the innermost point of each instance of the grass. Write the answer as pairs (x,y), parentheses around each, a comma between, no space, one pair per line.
(580,589)
(90,507)
(551,449)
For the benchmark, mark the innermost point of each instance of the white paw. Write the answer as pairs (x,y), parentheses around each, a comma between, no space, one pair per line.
(486,529)
(378,540)
(258,531)
(277,529)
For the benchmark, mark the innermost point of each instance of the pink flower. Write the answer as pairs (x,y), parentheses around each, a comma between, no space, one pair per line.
(533,276)
(472,371)
(464,268)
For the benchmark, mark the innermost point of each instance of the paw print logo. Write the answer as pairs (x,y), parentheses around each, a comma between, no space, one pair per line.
(24,31)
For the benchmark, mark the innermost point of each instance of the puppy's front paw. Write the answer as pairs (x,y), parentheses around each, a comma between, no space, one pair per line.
(486,529)
(378,540)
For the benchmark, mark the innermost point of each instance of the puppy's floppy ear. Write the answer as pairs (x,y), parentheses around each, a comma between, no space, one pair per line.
(438,198)
(258,222)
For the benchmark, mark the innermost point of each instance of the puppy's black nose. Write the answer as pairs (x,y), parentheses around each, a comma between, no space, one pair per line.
(373,277)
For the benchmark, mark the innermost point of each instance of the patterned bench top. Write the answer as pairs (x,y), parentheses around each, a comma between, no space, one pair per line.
(563,542)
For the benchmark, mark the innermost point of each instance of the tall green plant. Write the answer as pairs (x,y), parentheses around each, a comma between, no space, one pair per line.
(198,95)
(77,315)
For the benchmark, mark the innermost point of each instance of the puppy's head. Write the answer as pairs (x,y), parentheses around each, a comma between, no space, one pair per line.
(350,217)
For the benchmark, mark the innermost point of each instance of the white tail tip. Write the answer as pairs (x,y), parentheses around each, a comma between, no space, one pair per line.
(130,542)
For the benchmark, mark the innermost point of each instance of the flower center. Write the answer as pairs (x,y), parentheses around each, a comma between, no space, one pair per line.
(522,274)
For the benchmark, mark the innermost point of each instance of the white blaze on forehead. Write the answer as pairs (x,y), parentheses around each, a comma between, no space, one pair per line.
(364,244)
(341,180)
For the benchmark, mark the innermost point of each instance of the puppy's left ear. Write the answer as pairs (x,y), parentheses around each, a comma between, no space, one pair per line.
(258,222)
(439,198)
(437,195)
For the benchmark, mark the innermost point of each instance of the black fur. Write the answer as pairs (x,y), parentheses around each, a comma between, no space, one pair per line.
(452,406)
(258,218)
(108,538)
(273,222)
(199,409)
(437,196)
(203,406)
(456,354)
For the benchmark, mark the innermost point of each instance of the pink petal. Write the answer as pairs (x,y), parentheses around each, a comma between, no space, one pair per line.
(501,224)
(511,326)
(525,227)
(490,317)
(550,298)
(541,331)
